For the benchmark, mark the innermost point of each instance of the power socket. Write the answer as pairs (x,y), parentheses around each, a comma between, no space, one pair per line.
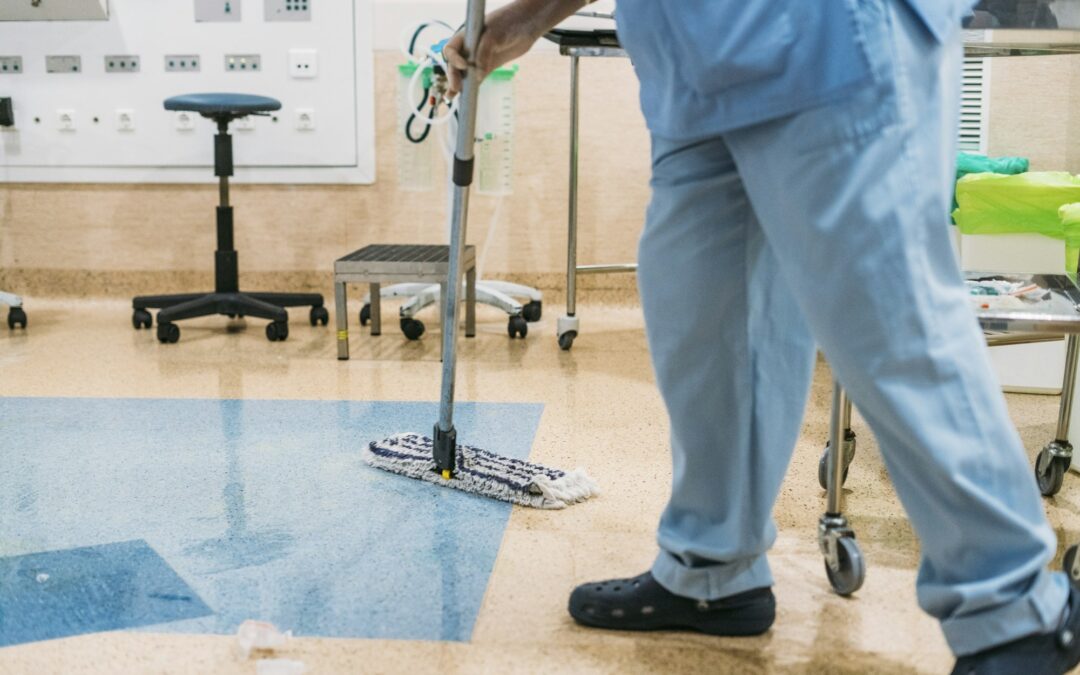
(122,63)
(305,119)
(11,65)
(303,63)
(287,10)
(65,119)
(243,63)
(184,120)
(246,123)
(181,63)
(125,119)
(63,64)
(217,10)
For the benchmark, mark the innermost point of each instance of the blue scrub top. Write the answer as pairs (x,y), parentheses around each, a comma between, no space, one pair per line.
(710,66)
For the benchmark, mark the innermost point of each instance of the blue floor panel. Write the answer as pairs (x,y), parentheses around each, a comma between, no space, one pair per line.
(258,509)
(94,588)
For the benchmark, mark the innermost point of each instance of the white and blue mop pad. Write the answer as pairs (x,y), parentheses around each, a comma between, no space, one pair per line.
(483,472)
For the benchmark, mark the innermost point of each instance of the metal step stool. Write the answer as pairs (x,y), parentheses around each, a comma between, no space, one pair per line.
(379,264)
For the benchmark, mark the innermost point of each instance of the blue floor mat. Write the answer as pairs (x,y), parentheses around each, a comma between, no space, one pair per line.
(263,508)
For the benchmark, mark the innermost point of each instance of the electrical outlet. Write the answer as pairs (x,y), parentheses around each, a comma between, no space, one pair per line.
(10,65)
(287,10)
(246,123)
(125,119)
(217,10)
(120,63)
(242,63)
(181,63)
(65,119)
(185,121)
(63,64)
(303,63)
(305,119)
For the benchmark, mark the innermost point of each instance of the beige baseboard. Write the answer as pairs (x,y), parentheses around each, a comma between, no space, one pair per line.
(66,283)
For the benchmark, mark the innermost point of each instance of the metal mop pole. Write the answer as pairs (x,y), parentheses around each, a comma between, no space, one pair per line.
(445,449)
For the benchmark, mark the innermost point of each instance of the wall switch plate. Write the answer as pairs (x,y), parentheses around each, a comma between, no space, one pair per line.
(121,63)
(303,63)
(11,65)
(63,64)
(287,10)
(125,119)
(217,10)
(184,120)
(65,119)
(246,123)
(305,119)
(181,63)
(243,63)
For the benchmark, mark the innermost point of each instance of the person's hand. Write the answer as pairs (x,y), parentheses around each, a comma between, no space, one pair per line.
(509,32)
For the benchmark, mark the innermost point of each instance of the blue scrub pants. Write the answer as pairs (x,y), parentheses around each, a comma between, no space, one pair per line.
(831,226)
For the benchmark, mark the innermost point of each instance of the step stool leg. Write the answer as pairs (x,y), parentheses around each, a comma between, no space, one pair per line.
(470,303)
(342,311)
(376,309)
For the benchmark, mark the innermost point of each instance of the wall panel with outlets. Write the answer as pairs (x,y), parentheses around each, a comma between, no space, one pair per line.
(86,95)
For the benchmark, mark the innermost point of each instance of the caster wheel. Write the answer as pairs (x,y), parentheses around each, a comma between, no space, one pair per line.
(141,319)
(1049,472)
(1072,565)
(412,328)
(517,327)
(277,331)
(823,470)
(16,317)
(235,316)
(365,315)
(566,340)
(319,315)
(168,333)
(852,573)
(533,311)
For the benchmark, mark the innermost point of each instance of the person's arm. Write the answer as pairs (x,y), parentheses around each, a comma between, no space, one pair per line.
(509,32)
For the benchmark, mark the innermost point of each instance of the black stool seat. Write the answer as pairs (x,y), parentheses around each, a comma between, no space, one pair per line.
(235,105)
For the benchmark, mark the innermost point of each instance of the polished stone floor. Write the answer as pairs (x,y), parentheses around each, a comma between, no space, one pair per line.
(217,473)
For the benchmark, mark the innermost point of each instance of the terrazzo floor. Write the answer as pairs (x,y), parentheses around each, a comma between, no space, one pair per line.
(84,397)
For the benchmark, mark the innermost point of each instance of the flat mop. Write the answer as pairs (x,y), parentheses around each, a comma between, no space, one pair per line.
(441,460)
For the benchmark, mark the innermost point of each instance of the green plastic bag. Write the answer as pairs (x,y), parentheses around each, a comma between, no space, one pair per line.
(1025,203)
(1070,221)
(968,163)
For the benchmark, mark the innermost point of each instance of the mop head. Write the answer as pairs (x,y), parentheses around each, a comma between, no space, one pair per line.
(483,472)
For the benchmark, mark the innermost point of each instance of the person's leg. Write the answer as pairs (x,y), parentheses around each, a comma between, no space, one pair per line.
(733,360)
(853,197)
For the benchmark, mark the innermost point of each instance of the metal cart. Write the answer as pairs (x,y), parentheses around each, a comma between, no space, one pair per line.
(1016,32)
(1049,319)
(578,44)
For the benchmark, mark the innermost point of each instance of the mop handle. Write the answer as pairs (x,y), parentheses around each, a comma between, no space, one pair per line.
(463,176)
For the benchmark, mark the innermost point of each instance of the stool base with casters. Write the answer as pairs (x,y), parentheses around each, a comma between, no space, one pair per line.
(498,294)
(226,298)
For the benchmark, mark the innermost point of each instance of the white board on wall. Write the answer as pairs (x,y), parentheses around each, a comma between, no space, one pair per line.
(97,123)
